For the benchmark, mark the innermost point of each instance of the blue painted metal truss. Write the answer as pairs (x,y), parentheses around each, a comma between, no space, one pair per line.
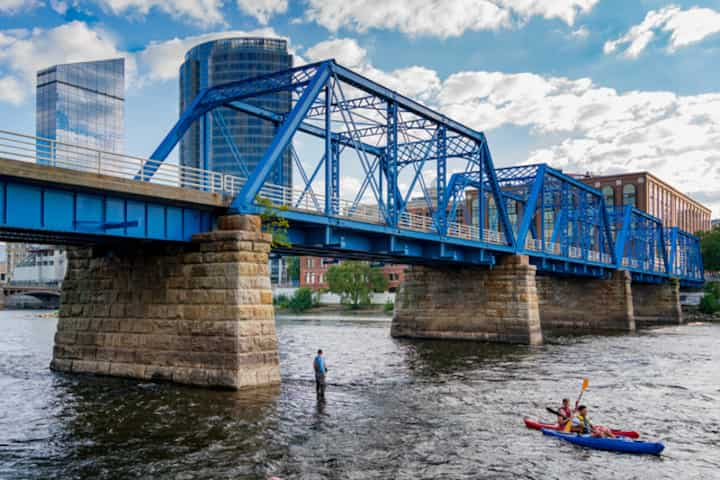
(561,223)
(402,150)
(428,189)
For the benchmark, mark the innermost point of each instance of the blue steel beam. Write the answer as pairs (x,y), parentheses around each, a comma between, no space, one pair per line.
(304,127)
(530,207)
(62,214)
(281,140)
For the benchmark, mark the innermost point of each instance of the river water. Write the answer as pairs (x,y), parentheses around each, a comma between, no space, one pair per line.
(395,409)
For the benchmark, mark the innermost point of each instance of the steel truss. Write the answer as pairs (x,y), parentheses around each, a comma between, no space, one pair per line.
(421,172)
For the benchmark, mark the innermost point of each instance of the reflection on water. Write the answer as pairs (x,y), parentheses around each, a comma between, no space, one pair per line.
(395,409)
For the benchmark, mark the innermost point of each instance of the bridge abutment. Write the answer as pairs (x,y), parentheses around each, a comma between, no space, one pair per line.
(657,304)
(462,303)
(199,314)
(586,305)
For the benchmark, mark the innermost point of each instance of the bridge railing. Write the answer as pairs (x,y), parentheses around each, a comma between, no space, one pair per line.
(46,151)
(681,248)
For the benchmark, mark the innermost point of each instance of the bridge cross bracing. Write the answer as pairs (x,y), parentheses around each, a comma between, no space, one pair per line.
(428,191)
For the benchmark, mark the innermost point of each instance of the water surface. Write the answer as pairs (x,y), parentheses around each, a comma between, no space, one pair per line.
(395,409)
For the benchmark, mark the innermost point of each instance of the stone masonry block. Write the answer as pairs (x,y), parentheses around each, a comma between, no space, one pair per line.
(199,313)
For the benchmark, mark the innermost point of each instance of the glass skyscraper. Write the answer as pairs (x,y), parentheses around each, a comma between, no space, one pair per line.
(205,145)
(83,104)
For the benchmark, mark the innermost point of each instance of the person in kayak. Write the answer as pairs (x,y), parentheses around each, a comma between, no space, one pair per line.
(581,424)
(565,413)
(320,371)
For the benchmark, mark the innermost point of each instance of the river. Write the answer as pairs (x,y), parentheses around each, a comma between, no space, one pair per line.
(395,409)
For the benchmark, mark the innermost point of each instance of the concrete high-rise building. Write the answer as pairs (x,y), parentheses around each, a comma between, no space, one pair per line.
(82,104)
(206,144)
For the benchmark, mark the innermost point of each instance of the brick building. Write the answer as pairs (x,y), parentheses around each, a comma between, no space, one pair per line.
(654,196)
(314,269)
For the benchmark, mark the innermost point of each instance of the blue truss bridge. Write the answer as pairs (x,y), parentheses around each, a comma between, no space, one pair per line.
(376,175)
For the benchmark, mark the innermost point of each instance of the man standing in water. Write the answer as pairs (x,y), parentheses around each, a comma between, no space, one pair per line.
(320,371)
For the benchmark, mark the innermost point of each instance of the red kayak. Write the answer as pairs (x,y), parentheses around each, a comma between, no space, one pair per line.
(554,426)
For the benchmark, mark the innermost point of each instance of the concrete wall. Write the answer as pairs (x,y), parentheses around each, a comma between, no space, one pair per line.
(332,299)
(586,305)
(657,304)
(200,314)
(498,304)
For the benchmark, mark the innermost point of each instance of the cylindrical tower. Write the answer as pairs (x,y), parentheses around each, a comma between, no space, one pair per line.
(206,145)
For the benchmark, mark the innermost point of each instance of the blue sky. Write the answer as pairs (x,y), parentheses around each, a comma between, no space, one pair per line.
(585,85)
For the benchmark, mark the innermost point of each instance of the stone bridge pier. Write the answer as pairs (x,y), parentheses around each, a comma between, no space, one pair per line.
(509,303)
(462,303)
(586,305)
(199,314)
(657,304)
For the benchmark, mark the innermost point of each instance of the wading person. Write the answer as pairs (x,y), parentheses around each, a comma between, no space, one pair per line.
(320,371)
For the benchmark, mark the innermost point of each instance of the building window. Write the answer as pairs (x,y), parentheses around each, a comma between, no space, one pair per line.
(549,223)
(609,195)
(309,262)
(493,221)
(629,195)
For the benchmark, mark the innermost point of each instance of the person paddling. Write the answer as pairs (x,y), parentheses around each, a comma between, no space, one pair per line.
(565,412)
(320,371)
(581,424)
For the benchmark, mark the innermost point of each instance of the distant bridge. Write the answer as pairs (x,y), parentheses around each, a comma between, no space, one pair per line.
(41,292)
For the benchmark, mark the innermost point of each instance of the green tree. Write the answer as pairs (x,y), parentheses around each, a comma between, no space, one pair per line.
(710,246)
(355,282)
(301,300)
(274,223)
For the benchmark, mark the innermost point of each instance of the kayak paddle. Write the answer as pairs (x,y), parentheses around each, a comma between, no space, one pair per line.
(585,385)
(556,412)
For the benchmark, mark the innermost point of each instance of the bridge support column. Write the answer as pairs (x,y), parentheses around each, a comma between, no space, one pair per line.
(199,314)
(586,305)
(460,303)
(657,304)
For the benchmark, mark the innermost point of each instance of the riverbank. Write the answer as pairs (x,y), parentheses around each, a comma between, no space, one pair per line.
(336,313)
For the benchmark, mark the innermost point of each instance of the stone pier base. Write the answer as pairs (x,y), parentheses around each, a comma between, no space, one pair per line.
(200,314)
(462,303)
(657,304)
(586,305)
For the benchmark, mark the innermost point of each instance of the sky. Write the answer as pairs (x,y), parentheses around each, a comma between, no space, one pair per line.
(600,86)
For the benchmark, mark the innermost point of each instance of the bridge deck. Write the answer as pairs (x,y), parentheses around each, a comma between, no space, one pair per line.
(562,224)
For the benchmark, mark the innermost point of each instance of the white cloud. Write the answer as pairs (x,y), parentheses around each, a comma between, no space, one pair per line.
(580,33)
(565,10)
(162,60)
(415,81)
(12,7)
(439,17)
(59,6)
(263,10)
(586,127)
(204,12)
(684,27)
(12,91)
(600,130)
(23,53)
(345,50)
